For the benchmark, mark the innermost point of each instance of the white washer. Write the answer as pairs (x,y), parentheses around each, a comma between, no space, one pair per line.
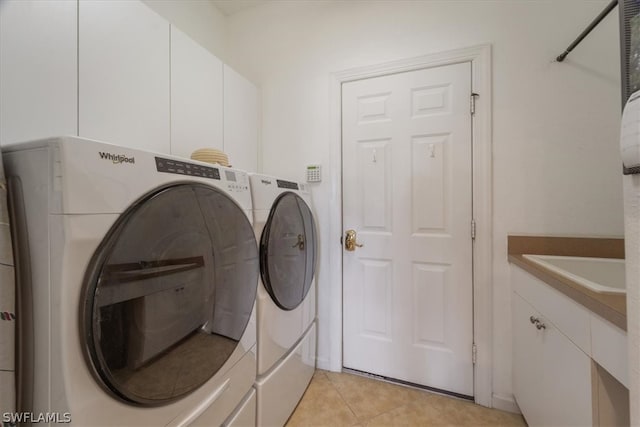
(285,229)
(137,276)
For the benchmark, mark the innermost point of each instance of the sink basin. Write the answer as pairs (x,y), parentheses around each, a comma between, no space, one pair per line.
(602,275)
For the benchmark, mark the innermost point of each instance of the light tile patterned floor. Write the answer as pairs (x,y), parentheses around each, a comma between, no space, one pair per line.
(340,399)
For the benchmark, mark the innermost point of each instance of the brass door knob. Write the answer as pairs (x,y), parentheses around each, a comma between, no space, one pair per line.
(350,242)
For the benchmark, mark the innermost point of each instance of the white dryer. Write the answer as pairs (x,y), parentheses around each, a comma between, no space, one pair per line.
(286,303)
(137,275)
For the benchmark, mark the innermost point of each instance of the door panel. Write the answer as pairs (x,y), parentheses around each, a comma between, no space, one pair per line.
(430,289)
(407,193)
(374,166)
(429,183)
(377,297)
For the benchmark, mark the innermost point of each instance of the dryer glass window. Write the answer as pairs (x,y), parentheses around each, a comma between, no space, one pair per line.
(288,251)
(169,294)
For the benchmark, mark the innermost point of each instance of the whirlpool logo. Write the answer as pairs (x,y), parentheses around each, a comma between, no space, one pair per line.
(117,158)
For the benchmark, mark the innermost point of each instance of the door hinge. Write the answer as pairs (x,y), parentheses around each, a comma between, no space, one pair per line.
(474,353)
(473,229)
(473,102)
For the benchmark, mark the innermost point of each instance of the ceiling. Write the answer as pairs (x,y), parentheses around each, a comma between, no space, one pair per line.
(230,7)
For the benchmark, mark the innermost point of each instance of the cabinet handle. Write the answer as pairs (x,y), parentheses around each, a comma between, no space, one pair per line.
(539,325)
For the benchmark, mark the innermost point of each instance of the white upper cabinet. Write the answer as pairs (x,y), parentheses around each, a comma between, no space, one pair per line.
(240,120)
(38,69)
(196,96)
(115,71)
(124,74)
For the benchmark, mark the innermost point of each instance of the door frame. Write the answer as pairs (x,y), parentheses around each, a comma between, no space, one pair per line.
(480,58)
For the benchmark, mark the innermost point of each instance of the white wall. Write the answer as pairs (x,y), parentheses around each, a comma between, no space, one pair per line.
(555,126)
(199,19)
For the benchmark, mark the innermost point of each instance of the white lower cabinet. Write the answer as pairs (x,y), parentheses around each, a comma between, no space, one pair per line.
(551,375)
(527,364)
(566,372)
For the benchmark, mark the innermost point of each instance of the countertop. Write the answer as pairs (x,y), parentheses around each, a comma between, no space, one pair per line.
(610,307)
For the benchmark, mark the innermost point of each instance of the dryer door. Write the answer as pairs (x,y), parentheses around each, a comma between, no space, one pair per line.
(169,293)
(288,251)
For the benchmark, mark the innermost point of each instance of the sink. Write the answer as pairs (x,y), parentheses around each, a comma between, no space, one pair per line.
(602,275)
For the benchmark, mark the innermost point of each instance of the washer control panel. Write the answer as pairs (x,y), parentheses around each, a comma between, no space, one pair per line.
(234,181)
(186,168)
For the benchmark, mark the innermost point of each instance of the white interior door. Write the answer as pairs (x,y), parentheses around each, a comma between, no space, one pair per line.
(407,192)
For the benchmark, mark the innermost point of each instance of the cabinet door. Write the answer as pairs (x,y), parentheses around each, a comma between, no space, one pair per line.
(527,364)
(196,96)
(566,380)
(240,120)
(38,70)
(124,74)
(551,375)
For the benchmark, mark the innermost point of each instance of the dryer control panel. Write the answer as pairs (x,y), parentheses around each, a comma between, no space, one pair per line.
(287,184)
(236,181)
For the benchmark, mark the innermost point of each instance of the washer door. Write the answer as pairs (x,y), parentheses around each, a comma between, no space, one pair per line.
(288,251)
(169,293)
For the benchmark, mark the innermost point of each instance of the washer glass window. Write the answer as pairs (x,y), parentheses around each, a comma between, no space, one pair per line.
(169,293)
(288,251)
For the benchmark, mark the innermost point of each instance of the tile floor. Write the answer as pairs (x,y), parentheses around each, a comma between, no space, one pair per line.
(341,399)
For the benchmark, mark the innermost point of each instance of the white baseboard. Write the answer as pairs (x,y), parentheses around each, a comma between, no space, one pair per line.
(324,364)
(505,403)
